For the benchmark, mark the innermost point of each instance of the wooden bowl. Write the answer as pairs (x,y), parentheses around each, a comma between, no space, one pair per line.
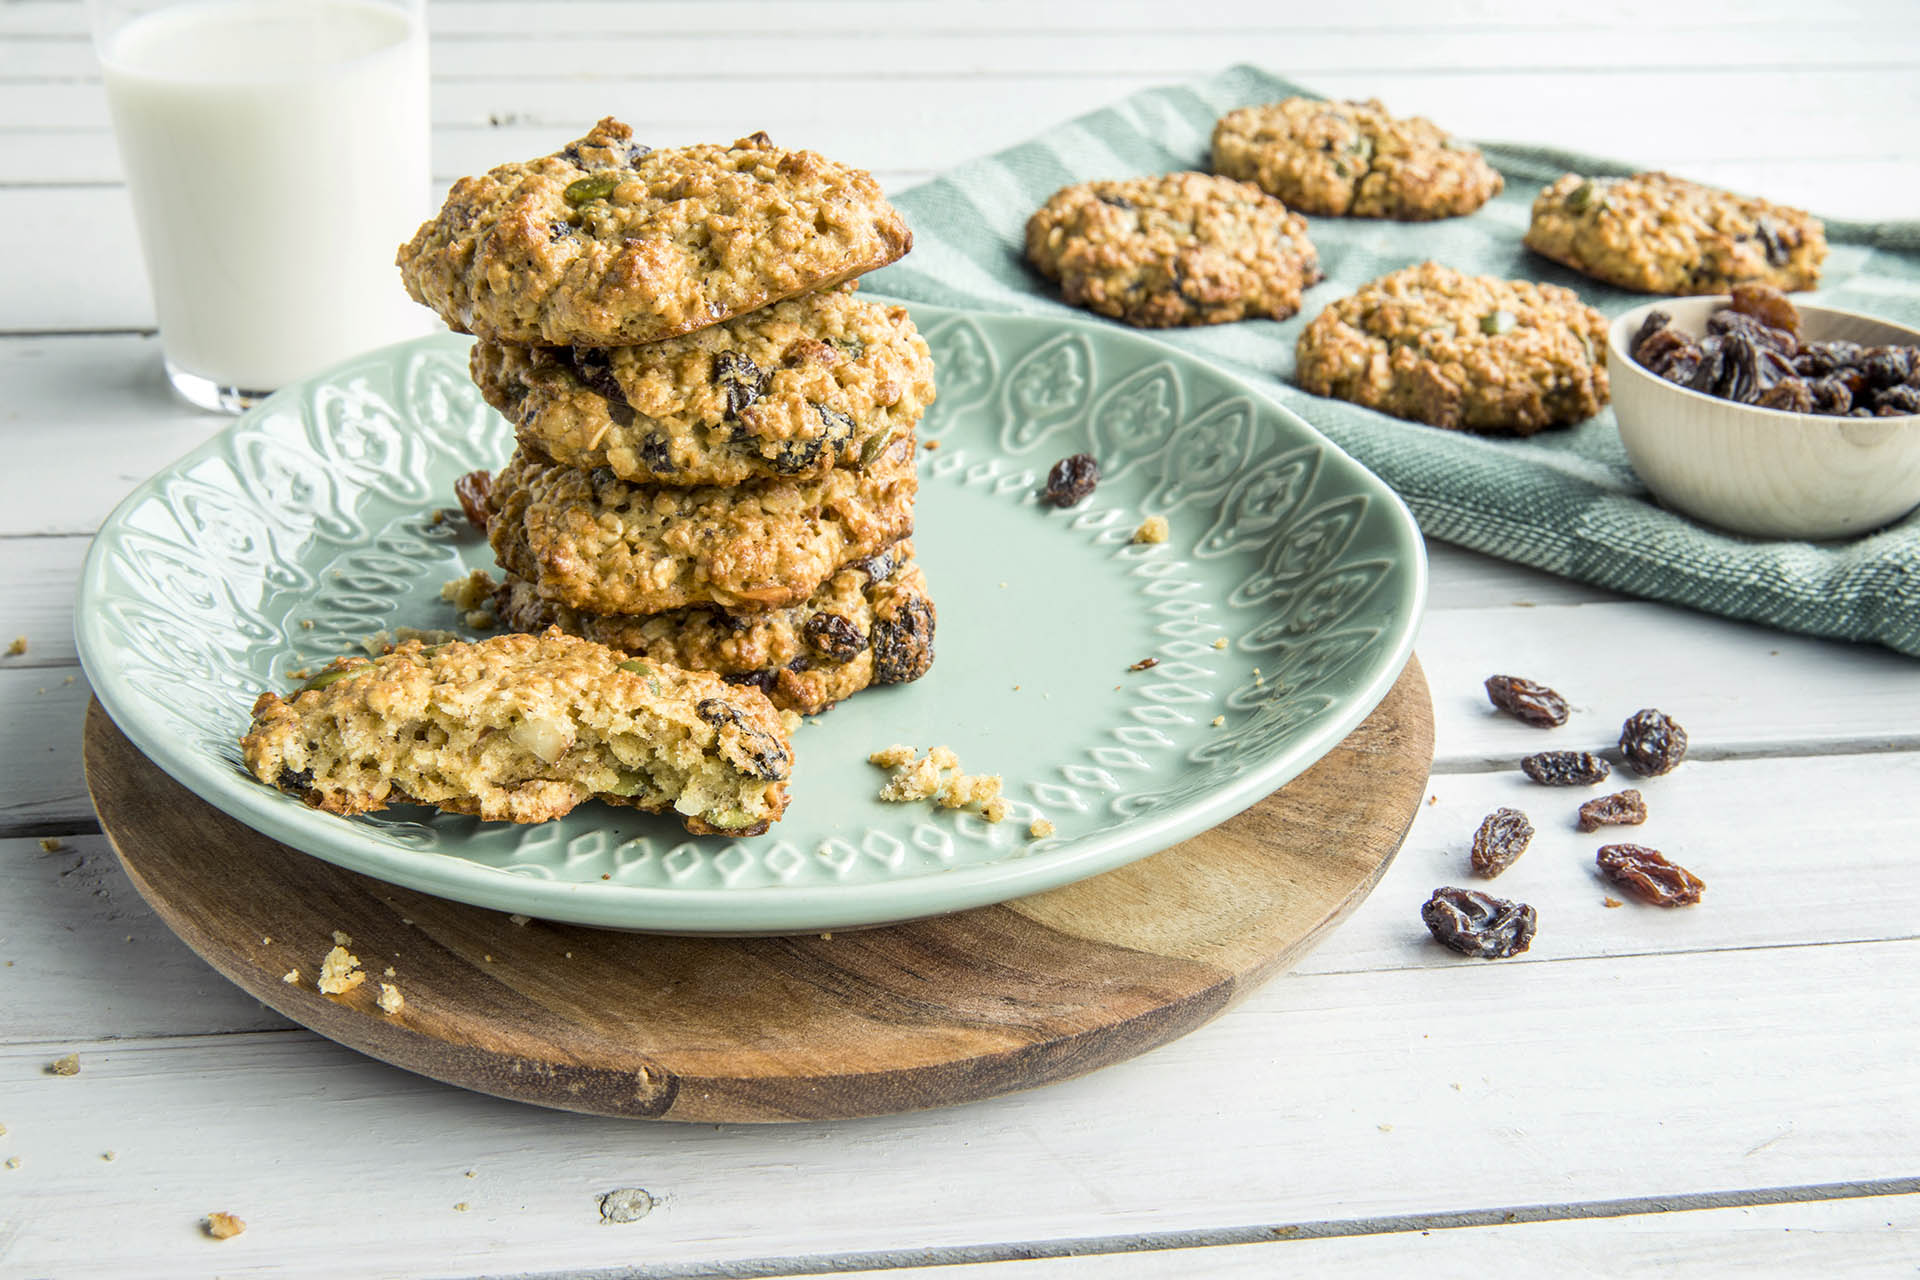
(1764,472)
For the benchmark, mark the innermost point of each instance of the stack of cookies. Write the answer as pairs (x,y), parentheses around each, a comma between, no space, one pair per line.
(716,450)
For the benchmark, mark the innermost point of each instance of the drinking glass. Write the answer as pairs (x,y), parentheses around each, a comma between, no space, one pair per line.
(276,154)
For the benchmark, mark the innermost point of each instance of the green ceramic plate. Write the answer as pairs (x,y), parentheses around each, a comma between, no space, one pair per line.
(309,524)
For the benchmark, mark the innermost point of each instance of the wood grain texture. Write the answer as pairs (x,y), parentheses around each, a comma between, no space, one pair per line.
(926,1014)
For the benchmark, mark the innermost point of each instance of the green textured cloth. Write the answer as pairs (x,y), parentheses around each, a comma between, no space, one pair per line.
(1563,501)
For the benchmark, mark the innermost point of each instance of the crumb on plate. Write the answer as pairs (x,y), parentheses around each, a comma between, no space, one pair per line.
(390,1000)
(67,1066)
(340,972)
(1039,829)
(1152,529)
(223,1226)
(18,647)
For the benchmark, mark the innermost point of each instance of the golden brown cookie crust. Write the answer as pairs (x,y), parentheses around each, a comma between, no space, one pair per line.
(1656,233)
(1353,159)
(1473,353)
(1181,249)
(596,543)
(872,623)
(523,728)
(608,244)
(794,390)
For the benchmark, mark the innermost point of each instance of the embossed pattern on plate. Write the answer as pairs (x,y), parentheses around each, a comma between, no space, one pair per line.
(312,523)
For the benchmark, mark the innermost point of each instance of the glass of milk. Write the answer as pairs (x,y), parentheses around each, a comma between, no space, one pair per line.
(276,153)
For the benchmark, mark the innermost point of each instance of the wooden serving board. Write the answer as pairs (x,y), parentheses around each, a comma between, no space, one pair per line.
(926,1014)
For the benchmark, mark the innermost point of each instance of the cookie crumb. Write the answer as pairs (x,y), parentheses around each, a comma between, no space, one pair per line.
(1152,529)
(891,757)
(1219,642)
(1218,721)
(1433,799)
(223,1226)
(67,1066)
(994,810)
(1611,902)
(521,920)
(929,444)
(109,1156)
(340,972)
(472,1173)
(51,844)
(625,1204)
(387,972)
(18,647)
(390,1000)
(306,624)
(266,939)
(1039,829)
(291,977)
(13,1162)
(937,776)
(341,940)
(1145,664)
(462,1207)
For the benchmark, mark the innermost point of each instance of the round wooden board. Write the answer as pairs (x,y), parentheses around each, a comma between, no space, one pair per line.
(926,1014)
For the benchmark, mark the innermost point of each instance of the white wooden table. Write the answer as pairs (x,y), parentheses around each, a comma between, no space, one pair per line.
(1721,1090)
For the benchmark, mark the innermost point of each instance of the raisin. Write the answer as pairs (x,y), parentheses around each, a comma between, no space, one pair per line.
(1143,664)
(1660,350)
(1479,924)
(742,380)
(1767,305)
(1886,366)
(880,565)
(295,782)
(1901,399)
(1791,394)
(1621,809)
(475,490)
(1647,875)
(833,637)
(1758,330)
(1071,480)
(1652,743)
(1831,396)
(902,642)
(1501,839)
(1657,323)
(594,368)
(761,680)
(1527,702)
(1778,251)
(656,454)
(1118,202)
(754,749)
(1566,768)
(636,153)
(1821,358)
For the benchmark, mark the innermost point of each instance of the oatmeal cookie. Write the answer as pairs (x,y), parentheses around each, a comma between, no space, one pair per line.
(522,728)
(1657,233)
(1186,248)
(594,542)
(870,624)
(1352,159)
(607,243)
(1473,353)
(806,385)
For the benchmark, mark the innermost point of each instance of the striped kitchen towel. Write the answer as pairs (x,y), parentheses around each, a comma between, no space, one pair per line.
(1564,501)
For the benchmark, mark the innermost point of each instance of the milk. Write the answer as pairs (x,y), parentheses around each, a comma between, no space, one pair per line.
(276,152)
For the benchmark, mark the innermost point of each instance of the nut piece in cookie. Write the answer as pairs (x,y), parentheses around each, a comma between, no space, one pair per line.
(1353,159)
(1656,233)
(872,623)
(606,243)
(1471,353)
(1183,249)
(522,728)
(809,384)
(594,542)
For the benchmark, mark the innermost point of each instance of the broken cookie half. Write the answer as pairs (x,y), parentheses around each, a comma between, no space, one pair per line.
(522,728)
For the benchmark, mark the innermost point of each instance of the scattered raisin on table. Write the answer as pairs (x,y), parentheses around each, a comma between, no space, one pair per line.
(1071,480)
(1479,924)
(1566,768)
(1652,743)
(474,490)
(1621,809)
(1647,875)
(1527,702)
(1500,841)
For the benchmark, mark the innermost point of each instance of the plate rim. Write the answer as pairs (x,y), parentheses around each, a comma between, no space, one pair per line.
(790,909)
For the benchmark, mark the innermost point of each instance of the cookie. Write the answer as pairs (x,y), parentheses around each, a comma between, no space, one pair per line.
(1352,159)
(607,244)
(594,542)
(806,385)
(1473,353)
(870,624)
(1656,233)
(523,728)
(1186,248)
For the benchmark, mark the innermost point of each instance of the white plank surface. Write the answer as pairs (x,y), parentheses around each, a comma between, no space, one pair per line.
(1747,1062)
